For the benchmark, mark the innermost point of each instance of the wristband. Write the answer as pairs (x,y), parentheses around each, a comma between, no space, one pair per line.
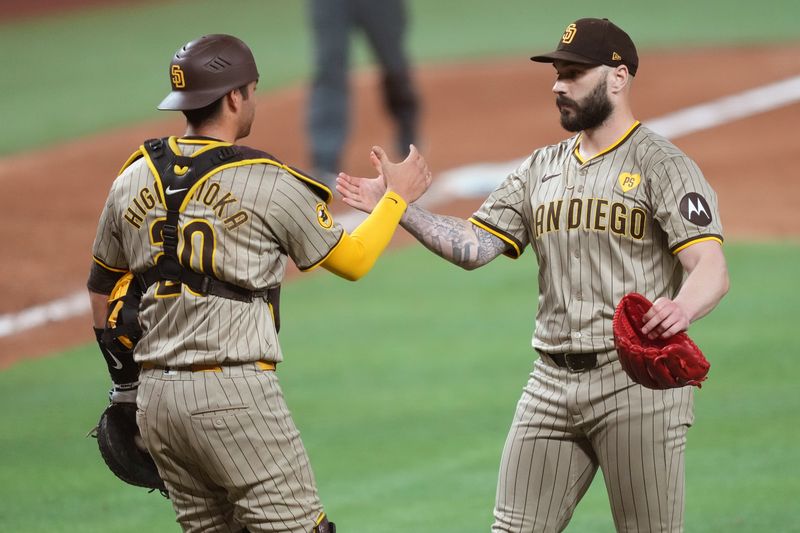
(121,366)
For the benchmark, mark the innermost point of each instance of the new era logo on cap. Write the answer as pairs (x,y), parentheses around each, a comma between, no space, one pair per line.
(594,42)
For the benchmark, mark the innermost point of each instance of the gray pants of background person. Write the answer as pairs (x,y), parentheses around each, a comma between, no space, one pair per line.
(227,450)
(384,24)
(568,424)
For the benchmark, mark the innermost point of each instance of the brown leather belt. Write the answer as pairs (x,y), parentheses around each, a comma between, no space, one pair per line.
(267,366)
(574,362)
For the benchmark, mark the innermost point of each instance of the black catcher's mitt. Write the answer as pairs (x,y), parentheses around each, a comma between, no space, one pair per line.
(116,435)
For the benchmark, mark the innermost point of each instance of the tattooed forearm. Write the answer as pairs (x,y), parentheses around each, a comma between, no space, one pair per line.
(452,238)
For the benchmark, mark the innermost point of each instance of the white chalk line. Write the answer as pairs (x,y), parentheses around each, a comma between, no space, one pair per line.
(480,179)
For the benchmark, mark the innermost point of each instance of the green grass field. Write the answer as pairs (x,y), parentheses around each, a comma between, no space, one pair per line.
(403,384)
(404,400)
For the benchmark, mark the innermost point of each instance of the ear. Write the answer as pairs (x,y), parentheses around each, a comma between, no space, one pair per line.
(618,79)
(233,100)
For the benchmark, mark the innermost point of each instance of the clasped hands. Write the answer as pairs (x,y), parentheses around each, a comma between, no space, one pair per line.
(409,178)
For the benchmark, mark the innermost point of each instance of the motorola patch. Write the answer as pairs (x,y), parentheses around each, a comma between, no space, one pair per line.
(695,209)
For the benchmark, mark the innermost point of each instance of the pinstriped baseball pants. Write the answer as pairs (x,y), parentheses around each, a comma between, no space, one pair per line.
(568,424)
(228,450)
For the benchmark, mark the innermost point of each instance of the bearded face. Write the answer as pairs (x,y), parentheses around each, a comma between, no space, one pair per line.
(588,113)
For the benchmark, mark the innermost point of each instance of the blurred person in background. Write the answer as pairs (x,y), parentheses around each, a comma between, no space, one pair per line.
(384,24)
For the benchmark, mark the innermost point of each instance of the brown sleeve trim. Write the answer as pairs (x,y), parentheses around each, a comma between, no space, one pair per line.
(694,240)
(516,247)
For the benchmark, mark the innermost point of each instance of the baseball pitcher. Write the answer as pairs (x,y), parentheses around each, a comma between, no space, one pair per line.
(613,210)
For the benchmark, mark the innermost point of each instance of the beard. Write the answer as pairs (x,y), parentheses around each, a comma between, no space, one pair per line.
(587,114)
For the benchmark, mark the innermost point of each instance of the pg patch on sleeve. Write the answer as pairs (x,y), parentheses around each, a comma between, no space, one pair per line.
(323,216)
(695,209)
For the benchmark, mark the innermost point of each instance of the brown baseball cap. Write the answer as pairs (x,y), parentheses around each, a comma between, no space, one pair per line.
(206,69)
(594,42)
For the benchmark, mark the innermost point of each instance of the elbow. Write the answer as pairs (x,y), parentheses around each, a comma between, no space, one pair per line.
(359,270)
(353,273)
(352,276)
(471,265)
(725,284)
(724,280)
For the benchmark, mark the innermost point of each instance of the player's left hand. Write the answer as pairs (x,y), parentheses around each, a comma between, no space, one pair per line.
(665,319)
(362,193)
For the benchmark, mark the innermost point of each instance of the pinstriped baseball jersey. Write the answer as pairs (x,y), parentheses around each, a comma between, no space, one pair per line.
(240,224)
(601,228)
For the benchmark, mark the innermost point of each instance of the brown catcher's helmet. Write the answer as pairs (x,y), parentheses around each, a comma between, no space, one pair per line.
(206,69)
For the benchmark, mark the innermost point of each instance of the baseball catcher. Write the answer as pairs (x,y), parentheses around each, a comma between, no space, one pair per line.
(655,363)
(218,224)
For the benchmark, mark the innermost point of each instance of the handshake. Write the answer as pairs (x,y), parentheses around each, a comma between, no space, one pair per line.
(409,179)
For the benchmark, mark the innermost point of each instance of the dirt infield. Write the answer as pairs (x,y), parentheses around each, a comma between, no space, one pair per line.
(473,112)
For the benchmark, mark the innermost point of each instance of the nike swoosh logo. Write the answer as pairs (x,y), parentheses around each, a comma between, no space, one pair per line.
(392,199)
(551,176)
(117,362)
(170,190)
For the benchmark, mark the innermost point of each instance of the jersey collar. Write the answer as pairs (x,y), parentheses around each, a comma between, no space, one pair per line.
(617,143)
(197,139)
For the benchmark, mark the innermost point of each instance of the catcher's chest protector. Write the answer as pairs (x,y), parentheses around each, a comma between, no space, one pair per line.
(176,176)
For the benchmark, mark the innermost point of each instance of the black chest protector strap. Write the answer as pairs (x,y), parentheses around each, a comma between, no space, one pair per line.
(177,175)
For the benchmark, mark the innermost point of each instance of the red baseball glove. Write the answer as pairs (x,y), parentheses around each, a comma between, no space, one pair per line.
(655,363)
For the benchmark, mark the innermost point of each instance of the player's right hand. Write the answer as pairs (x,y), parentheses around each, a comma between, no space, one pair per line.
(360,193)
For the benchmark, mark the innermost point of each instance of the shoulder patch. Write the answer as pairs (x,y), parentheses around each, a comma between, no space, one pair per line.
(694,208)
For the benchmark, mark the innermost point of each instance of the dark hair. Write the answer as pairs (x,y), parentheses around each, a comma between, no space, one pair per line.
(198,117)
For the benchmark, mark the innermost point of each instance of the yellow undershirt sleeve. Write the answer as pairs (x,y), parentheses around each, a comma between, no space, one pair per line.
(355,254)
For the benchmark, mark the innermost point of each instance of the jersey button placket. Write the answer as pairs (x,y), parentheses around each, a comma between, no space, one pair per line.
(575,238)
